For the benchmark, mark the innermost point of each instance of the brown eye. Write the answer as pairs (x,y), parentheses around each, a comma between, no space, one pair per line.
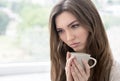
(59,31)
(75,25)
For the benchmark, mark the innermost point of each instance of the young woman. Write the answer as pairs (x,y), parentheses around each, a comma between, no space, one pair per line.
(75,26)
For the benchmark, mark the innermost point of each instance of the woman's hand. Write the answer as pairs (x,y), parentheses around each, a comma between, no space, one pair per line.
(74,71)
(79,73)
(68,67)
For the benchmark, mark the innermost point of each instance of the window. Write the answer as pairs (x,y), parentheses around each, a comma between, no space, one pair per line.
(24,34)
(110,14)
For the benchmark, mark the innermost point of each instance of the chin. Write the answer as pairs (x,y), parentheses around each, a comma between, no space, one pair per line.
(79,50)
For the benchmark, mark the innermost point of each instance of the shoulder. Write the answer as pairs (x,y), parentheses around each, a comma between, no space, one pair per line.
(115,71)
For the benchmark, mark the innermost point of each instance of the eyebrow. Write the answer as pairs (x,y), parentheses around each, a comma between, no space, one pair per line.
(72,23)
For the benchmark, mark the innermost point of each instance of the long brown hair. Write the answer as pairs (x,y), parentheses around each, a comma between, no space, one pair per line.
(97,44)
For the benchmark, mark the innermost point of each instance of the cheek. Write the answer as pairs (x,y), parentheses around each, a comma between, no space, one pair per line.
(63,38)
(83,36)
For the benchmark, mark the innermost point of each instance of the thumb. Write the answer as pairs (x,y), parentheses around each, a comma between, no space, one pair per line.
(68,55)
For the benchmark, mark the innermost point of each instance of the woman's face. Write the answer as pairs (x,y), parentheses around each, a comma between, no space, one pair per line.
(71,32)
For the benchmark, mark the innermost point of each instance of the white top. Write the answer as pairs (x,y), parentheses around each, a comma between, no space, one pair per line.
(115,72)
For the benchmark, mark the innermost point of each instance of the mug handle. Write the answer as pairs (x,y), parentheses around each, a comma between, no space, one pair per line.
(94,62)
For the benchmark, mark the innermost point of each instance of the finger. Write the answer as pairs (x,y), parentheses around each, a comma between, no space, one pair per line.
(87,67)
(69,61)
(67,69)
(74,73)
(68,73)
(80,68)
(68,55)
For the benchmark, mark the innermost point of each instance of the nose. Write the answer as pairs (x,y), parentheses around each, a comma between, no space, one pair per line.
(70,35)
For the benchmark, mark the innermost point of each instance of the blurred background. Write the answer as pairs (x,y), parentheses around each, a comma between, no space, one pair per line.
(24,37)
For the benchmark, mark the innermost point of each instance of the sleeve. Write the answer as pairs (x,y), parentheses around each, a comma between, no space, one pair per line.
(115,72)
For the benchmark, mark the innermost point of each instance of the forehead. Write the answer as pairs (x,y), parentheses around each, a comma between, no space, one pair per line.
(64,19)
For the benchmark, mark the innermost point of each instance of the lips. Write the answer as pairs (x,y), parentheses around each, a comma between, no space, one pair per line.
(74,45)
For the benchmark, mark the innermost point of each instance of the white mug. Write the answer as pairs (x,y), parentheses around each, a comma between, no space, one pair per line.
(87,57)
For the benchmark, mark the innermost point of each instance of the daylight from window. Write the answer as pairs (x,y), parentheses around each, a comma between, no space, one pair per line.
(24,30)
(24,37)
